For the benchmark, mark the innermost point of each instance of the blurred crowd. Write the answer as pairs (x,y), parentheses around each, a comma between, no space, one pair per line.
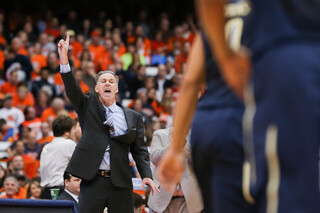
(149,59)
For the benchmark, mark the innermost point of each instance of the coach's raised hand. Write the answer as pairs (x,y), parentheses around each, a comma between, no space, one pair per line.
(63,46)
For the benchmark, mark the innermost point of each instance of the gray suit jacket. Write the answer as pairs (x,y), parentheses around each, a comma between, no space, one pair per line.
(159,201)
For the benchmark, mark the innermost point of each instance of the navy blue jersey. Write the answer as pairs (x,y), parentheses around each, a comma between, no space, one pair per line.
(276,22)
(217,93)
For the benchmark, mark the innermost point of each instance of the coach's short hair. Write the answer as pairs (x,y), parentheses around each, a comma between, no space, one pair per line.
(61,125)
(104,72)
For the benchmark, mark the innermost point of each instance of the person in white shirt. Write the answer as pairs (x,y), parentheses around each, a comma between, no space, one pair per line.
(71,188)
(13,116)
(55,156)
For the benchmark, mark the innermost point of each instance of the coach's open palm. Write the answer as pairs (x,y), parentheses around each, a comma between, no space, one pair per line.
(63,46)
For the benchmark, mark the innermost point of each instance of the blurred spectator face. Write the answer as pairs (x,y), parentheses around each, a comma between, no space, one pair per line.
(118,64)
(80,38)
(31,113)
(52,59)
(31,139)
(17,163)
(178,32)
(167,93)
(86,44)
(152,94)
(57,104)
(149,83)
(162,71)
(25,132)
(43,39)
(16,44)
(137,105)
(139,31)
(108,24)
(10,187)
(164,25)
(78,75)
(139,43)
(44,74)
(8,103)
(73,185)
(89,68)
(22,91)
(142,95)
(13,77)
(129,26)
(43,98)
(109,45)
(54,22)
(112,68)
(72,15)
(141,72)
(63,31)
(37,48)
(86,24)
(131,48)
(24,37)
(45,129)
(35,189)
(116,38)
(186,47)
(19,148)
(28,27)
(158,36)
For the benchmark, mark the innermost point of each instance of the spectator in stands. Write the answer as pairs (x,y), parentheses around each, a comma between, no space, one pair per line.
(25,64)
(46,45)
(2,176)
(182,57)
(138,202)
(10,86)
(22,178)
(23,97)
(78,73)
(162,82)
(43,101)
(71,188)
(13,116)
(56,106)
(43,82)
(31,145)
(32,121)
(137,81)
(55,156)
(89,74)
(6,132)
(187,196)
(52,63)
(38,60)
(137,106)
(34,190)
(11,188)
(46,134)
(16,164)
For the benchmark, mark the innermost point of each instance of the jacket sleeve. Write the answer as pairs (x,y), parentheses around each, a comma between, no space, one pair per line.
(158,147)
(73,91)
(140,152)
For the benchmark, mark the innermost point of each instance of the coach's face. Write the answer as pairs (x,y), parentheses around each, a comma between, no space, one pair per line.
(107,88)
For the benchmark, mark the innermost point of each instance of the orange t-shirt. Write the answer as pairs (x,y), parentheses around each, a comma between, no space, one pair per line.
(77,49)
(2,40)
(84,87)
(54,32)
(122,50)
(23,51)
(155,45)
(2,59)
(172,40)
(96,50)
(181,58)
(103,60)
(38,61)
(7,88)
(47,139)
(47,113)
(21,104)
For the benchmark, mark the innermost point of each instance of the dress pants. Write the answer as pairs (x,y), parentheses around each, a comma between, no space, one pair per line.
(99,193)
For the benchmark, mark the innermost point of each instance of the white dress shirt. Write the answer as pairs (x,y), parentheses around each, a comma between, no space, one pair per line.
(13,116)
(54,159)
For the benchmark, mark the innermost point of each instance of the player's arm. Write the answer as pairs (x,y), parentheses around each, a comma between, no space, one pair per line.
(235,66)
(73,89)
(172,164)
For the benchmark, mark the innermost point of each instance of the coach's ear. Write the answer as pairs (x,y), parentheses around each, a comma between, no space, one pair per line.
(96,89)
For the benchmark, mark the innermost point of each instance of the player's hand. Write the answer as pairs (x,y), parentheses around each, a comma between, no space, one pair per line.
(236,69)
(171,168)
(152,185)
(63,46)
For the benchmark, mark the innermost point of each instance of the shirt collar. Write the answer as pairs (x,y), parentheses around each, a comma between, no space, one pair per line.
(73,195)
(113,107)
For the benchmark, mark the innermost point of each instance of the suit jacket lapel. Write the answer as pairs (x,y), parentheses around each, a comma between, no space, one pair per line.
(128,117)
